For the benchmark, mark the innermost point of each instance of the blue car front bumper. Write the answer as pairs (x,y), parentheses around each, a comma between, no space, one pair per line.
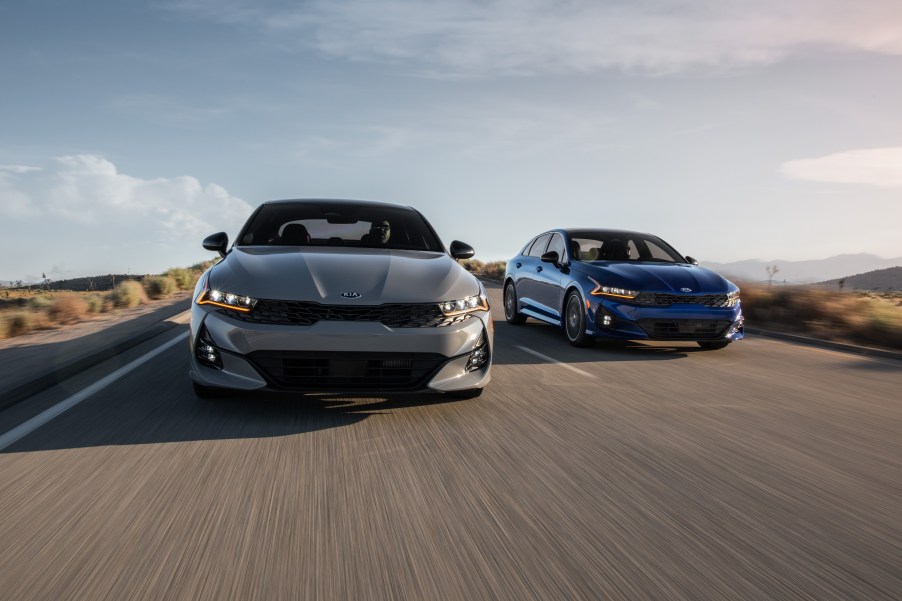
(607,318)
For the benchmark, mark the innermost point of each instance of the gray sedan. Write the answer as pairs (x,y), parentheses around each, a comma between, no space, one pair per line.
(339,296)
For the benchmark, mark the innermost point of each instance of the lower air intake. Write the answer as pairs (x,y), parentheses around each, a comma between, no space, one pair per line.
(684,329)
(316,371)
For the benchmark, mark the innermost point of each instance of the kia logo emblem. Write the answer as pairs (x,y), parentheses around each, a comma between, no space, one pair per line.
(686,289)
(350,295)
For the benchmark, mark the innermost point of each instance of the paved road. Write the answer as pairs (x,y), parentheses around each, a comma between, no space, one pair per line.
(764,471)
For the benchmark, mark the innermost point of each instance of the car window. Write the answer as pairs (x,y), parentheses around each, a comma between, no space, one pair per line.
(609,245)
(538,247)
(656,252)
(339,224)
(557,245)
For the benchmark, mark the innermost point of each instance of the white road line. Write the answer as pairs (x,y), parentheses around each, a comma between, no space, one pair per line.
(42,418)
(555,361)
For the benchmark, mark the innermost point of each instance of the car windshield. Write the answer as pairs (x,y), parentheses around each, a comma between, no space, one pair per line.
(339,224)
(602,245)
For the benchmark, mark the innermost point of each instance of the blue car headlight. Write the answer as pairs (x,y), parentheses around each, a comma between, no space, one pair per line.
(612,291)
(732,299)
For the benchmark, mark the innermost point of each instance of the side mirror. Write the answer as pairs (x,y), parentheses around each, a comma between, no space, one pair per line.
(461,250)
(217,243)
(551,257)
(691,260)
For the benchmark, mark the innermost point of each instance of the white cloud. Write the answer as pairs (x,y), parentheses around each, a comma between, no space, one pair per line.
(880,167)
(472,38)
(83,209)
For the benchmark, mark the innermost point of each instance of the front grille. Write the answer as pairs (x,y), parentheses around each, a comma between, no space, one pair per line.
(322,372)
(299,313)
(660,299)
(684,329)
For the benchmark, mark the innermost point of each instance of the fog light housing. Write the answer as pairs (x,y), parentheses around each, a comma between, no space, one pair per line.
(205,352)
(736,328)
(479,356)
(603,318)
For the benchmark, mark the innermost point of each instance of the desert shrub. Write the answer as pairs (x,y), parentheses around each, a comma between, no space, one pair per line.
(494,270)
(204,265)
(159,286)
(184,278)
(18,323)
(67,308)
(128,294)
(40,303)
(94,303)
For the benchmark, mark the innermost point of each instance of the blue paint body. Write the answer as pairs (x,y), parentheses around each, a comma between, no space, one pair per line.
(678,300)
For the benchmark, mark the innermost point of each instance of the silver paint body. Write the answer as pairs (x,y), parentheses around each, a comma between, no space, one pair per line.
(324,274)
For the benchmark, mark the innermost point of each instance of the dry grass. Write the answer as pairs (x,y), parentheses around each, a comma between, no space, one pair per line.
(490,271)
(127,295)
(863,318)
(23,310)
(68,308)
(159,286)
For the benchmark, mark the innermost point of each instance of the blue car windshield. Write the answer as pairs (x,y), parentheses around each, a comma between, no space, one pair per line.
(339,224)
(611,245)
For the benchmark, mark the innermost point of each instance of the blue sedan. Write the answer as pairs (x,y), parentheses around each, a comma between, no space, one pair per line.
(623,285)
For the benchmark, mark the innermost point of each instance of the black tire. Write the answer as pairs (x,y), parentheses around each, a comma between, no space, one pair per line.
(511,314)
(713,345)
(205,392)
(575,321)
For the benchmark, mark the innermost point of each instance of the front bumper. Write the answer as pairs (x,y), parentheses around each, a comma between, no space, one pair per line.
(338,356)
(608,318)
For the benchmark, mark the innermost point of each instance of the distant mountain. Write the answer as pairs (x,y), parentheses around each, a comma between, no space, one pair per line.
(804,272)
(881,279)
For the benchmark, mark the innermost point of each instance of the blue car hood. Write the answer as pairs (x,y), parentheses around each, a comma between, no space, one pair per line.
(657,277)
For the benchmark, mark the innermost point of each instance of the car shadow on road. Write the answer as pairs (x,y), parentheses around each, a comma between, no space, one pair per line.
(549,340)
(172,414)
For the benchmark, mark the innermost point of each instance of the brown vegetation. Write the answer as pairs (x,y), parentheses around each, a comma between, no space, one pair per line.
(861,318)
(28,308)
(68,308)
(489,271)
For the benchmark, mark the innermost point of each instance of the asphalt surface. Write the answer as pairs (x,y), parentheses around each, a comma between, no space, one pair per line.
(767,470)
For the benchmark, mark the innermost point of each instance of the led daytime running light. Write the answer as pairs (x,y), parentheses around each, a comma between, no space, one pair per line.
(612,291)
(226,300)
(471,304)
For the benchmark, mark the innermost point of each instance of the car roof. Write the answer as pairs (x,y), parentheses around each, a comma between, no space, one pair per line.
(336,202)
(605,232)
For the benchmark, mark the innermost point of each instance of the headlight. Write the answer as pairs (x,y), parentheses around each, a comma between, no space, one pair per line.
(612,291)
(471,304)
(227,300)
(732,299)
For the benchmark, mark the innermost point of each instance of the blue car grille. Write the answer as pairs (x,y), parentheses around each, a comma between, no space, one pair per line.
(684,329)
(298,313)
(660,299)
(341,371)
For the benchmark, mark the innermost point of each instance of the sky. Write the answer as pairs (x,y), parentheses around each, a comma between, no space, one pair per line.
(733,129)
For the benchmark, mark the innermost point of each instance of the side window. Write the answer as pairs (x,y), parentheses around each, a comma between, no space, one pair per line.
(557,245)
(538,247)
(634,252)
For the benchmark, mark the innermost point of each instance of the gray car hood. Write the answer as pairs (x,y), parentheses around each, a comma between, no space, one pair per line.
(322,274)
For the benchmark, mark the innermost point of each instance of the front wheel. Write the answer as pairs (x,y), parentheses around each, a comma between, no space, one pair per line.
(575,321)
(511,314)
(713,345)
